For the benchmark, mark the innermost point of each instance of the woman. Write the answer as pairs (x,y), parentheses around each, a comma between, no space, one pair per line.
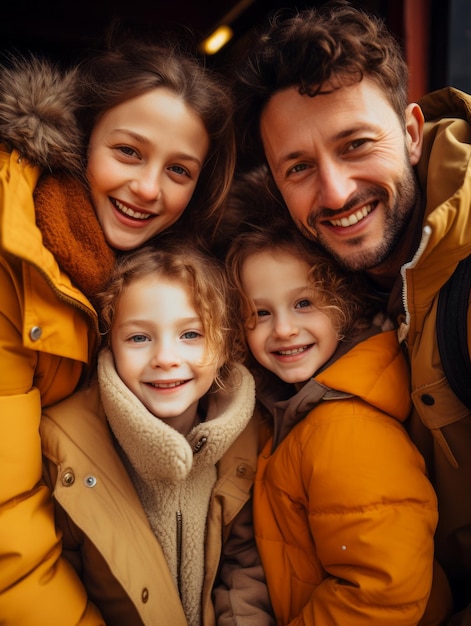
(152,132)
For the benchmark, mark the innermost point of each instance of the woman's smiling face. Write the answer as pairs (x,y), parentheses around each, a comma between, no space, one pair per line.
(145,157)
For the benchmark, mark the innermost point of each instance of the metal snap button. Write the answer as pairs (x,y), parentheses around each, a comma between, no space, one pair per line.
(89,481)
(35,333)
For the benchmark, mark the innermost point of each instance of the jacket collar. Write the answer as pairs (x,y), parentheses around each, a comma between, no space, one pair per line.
(371,367)
(156,450)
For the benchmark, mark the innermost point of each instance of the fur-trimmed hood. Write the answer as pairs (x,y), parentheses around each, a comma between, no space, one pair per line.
(38,101)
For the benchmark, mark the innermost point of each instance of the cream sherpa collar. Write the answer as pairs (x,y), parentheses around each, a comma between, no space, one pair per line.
(155,449)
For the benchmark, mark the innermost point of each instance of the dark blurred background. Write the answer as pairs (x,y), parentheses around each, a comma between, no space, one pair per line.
(435,34)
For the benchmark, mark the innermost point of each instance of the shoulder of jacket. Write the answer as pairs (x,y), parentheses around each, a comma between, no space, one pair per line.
(38,101)
(85,415)
(447,102)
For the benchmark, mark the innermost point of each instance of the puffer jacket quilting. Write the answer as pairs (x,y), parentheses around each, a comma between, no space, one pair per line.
(48,332)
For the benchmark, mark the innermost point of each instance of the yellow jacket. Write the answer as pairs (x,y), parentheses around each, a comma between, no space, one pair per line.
(441,425)
(48,332)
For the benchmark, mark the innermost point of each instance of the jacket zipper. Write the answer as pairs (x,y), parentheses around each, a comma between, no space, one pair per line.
(179,549)
(427,231)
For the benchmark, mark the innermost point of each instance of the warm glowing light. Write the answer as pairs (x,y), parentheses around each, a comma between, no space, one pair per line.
(217,40)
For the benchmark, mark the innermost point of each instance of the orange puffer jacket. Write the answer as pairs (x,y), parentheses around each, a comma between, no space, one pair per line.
(344,514)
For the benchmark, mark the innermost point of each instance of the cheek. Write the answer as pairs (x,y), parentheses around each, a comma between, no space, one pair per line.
(128,362)
(388,163)
(255,340)
(210,372)
(331,340)
(125,372)
(299,202)
(102,172)
(179,198)
(96,174)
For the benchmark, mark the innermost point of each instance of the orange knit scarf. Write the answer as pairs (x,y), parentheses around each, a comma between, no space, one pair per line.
(72,233)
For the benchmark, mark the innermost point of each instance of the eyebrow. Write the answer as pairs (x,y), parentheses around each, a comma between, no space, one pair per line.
(141,138)
(292,293)
(343,134)
(183,321)
(190,320)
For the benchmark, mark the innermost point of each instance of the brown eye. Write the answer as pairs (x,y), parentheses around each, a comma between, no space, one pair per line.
(128,151)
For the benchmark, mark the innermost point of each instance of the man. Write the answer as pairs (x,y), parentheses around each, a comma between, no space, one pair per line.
(385,187)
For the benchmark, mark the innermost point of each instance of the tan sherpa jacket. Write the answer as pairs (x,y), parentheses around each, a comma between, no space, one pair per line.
(140,480)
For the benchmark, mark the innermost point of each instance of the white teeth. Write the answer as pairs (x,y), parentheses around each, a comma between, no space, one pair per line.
(352,219)
(128,211)
(167,385)
(291,352)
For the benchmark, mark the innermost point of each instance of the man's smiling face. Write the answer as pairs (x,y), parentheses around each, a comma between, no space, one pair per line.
(343,163)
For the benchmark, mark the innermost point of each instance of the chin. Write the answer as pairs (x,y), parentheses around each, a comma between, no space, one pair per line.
(125,244)
(294,379)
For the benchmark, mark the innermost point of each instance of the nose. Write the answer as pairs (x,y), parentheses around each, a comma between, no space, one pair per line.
(146,185)
(336,184)
(284,327)
(165,355)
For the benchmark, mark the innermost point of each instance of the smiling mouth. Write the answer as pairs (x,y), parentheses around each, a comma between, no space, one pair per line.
(126,210)
(293,351)
(177,383)
(354,218)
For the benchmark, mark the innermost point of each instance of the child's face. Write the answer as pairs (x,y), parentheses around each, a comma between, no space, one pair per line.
(158,345)
(145,157)
(292,338)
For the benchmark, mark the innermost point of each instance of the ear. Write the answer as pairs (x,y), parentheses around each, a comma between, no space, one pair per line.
(414,119)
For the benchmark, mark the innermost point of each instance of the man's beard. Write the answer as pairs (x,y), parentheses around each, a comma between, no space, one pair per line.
(397,218)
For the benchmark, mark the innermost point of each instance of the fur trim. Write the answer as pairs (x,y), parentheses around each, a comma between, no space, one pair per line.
(37,113)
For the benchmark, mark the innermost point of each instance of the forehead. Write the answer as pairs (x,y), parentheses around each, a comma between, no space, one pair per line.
(330,112)
(158,115)
(153,292)
(267,270)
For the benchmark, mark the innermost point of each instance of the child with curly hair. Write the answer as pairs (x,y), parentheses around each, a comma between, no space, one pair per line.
(152,471)
(344,513)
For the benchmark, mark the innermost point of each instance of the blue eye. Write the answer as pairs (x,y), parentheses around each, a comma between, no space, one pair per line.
(302,304)
(191,334)
(138,338)
(178,169)
(300,167)
(262,313)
